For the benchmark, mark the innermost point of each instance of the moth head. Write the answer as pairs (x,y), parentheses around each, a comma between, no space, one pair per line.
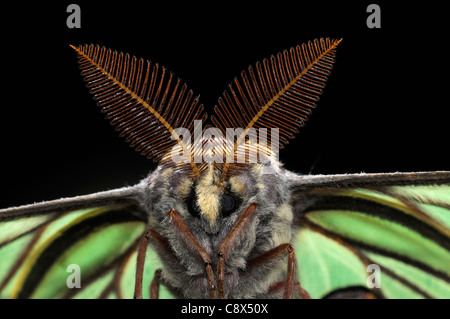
(209,201)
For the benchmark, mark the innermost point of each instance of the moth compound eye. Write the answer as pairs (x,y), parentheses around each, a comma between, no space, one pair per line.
(192,206)
(228,205)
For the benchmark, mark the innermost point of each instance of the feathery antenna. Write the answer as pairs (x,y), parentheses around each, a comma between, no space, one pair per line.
(145,102)
(277,93)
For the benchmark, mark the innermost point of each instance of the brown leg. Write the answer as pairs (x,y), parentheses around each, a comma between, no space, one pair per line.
(142,252)
(274,255)
(281,285)
(227,242)
(194,245)
(302,292)
(159,281)
(290,280)
(160,243)
(154,286)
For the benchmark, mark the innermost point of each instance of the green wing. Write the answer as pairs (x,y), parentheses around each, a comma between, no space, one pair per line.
(405,230)
(43,251)
(342,230)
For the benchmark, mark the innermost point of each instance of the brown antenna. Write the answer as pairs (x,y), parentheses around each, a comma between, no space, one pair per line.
(278,93)
(145,102)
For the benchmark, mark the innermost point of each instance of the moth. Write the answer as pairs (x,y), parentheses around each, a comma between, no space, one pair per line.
(220,217)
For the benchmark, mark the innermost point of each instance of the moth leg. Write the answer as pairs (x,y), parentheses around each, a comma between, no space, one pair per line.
(158,281)
(301,291)
(290,280)
(142,252)
(154,286)
(272,256)
(237,229)
(195,246)
(279,286)
(160,244)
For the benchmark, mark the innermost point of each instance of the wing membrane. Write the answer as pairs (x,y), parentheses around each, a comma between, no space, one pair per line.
(404,229)
(35,264)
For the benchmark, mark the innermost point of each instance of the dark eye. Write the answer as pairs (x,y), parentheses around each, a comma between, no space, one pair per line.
(192,205)
(228,205)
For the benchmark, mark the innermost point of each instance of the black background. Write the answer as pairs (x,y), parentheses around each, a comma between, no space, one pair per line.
(384,108)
